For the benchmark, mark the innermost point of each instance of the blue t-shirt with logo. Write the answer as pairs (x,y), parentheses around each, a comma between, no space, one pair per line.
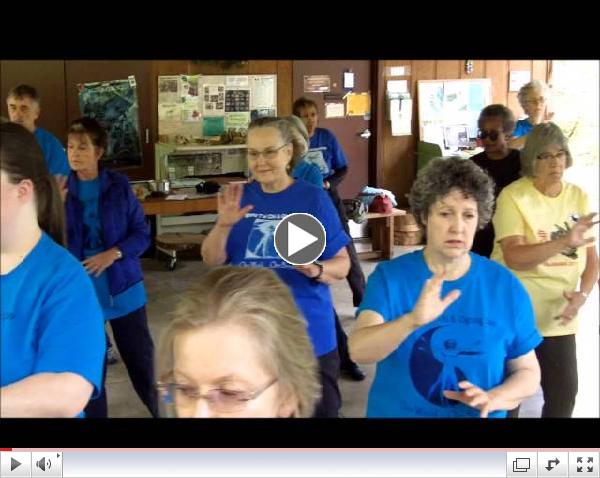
(51,321)
(251,244)
(308,172)
(522,128)
(54,153)
(128,300)
(325,152)
(491,323)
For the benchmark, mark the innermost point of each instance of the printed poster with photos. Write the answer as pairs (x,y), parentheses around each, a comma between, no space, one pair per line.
(214,100)
(196,108)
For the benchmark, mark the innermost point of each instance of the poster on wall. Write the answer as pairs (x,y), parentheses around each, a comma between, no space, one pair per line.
(263,92)
(190,110)
(237,101)
(214,100)
(114,104)
(317,83)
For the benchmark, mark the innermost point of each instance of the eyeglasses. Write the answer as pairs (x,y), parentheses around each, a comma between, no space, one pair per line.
(185,397)
(493,135)
(541,99)
(269,153)
(562,154)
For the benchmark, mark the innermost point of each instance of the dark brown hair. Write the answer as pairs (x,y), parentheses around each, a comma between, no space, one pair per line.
(303,103)
(21,158)
(92,128)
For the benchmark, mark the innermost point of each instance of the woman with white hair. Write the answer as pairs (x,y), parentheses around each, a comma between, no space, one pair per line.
(541,224)
(533,98)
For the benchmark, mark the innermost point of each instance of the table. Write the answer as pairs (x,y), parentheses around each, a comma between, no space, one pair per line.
(382,234)
(161,206)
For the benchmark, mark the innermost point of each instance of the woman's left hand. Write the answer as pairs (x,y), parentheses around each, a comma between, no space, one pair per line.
(472,396)
(576,300)
(100,262)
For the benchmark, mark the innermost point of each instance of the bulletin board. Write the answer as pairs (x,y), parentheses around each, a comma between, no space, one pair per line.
(212,109)
(444,103)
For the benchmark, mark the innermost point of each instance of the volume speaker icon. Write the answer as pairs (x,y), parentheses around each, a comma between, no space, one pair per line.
(43,463)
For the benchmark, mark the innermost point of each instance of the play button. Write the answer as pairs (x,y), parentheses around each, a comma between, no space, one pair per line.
(14,464)
(300,239)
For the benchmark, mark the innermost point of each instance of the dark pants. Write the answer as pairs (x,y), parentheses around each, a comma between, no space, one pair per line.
(331,399)
(342,341)
(134,343)
(558,363)
(356,278)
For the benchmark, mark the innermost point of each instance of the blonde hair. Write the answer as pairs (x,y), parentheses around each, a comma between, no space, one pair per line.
(288,132)
(259,301)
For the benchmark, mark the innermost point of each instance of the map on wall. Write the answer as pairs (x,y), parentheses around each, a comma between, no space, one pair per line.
(114,104)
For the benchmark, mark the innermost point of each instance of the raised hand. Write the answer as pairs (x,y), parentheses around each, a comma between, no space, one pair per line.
(229,210)
(575,236)
(430,304)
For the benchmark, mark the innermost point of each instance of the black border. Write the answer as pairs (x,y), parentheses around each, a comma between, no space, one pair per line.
(301,433)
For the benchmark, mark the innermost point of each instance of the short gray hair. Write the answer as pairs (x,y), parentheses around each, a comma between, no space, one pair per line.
(528,88)
(441,176)
(537,142)
(288,132)
(259,301)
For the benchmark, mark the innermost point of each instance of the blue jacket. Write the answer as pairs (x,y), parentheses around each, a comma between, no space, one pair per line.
(123,225)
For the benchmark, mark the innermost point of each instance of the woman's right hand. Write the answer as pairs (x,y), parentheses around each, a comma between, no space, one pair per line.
(229,210)
(575,238)
(430,304)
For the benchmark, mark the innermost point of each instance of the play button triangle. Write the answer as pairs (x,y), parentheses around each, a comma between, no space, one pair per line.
(298,239)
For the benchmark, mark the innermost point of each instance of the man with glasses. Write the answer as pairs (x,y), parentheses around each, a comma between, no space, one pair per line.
(496,124)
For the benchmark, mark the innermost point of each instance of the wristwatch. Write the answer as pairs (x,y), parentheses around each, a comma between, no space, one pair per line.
(319,264)
(118,253)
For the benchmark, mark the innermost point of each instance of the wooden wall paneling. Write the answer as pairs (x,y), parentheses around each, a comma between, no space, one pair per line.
(497,70)
(478,70)
(285,100)
(448,69)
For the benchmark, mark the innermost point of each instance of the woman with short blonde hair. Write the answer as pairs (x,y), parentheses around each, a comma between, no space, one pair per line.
(249,309)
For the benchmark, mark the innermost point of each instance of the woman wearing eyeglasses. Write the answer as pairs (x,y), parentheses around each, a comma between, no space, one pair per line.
(238,347)
(496,123)
(533,98)
(541,224)
(244,235)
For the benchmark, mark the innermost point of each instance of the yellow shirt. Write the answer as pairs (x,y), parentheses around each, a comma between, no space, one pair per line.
(522,210)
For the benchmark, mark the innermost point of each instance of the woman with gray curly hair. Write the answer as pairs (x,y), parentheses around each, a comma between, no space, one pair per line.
(452,332)
(542,228)
(238,347)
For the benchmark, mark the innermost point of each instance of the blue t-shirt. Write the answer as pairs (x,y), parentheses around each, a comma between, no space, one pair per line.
(54,153)
(522,128)
(51,321)
(325,152)
(491,323)
(128,300)
(308,172)
(251,244)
